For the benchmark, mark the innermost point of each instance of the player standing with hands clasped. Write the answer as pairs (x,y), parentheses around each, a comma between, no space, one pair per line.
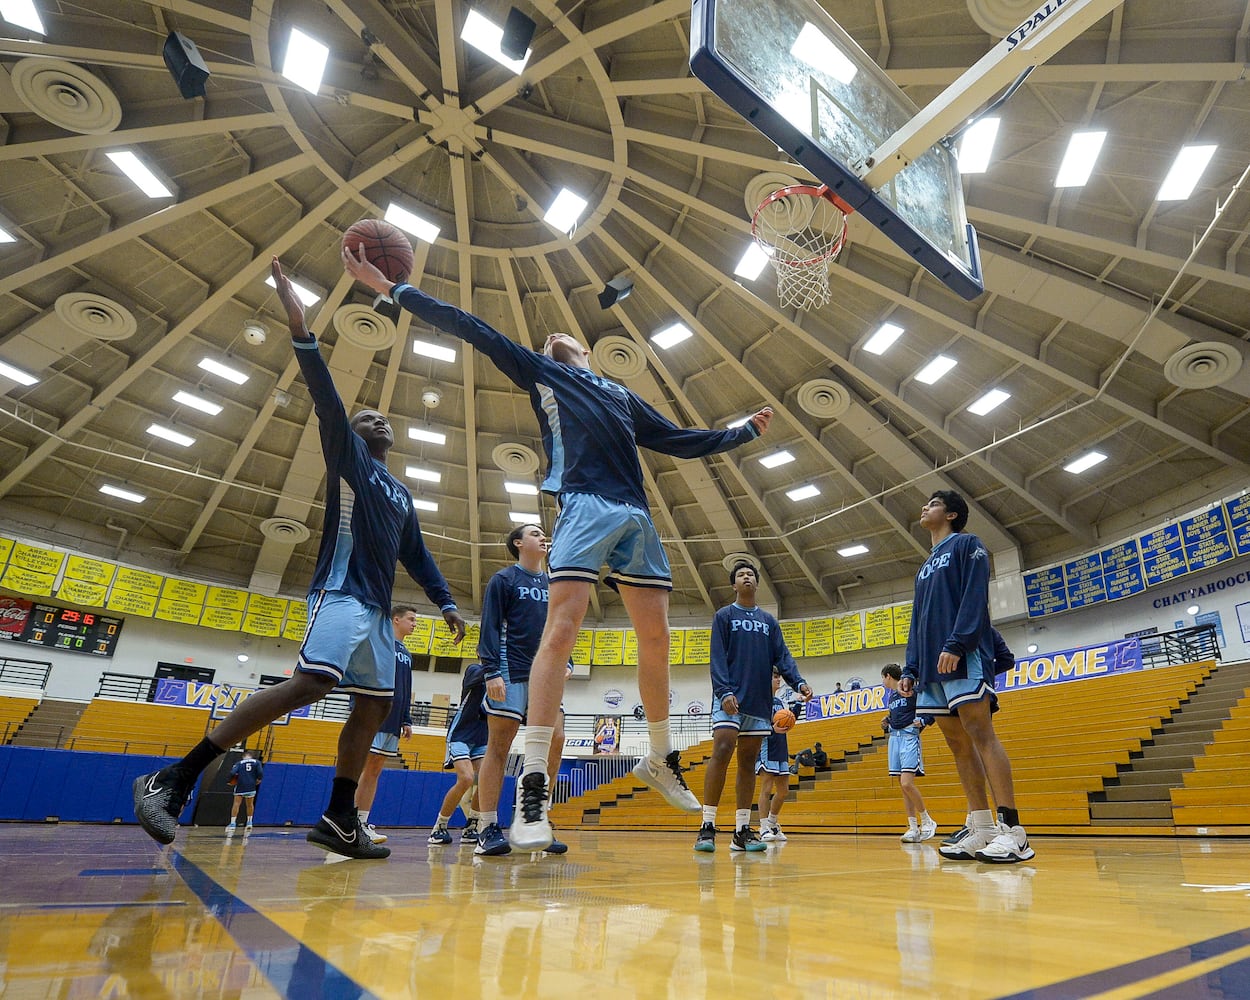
(903,726)
(591,429)
(746,646)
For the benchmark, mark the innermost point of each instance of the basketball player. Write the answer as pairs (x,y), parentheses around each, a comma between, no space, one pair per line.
(369,525)
(950,664)
(397,725)
(746,647)
(514,611)
(606,735)
(466,746)
(591,430)
(774,765)
(245,779)
(906,760)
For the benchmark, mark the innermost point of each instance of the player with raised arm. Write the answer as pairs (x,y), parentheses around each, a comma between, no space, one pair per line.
(369,526)
(591,430)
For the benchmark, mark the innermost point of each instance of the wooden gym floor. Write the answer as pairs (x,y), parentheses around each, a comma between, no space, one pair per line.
(96,911)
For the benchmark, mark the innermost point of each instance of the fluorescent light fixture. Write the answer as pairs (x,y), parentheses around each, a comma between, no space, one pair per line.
(775,459)
(305,61)
(935,369)
(753,262)
(425,475)
(428,436)
(803,492)
(6,236)
(117,491)
(1086,461)
(740,422)
(410,223)
(1078,161)
(197,402)
(23,14)
(521,517)
(565,211)
(1186,172)
(853,550)
(671,336)
(992,400)
(815,48)
(428,505)
(156,430)
(429,349)
(305,295)
(223,371)
(1031,648)
(1193,609)
(977,145)
(487,37)
(524,489)
(139,173)
(881,341)
(16,375)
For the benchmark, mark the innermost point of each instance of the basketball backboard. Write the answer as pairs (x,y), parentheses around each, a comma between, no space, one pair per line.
(790,70)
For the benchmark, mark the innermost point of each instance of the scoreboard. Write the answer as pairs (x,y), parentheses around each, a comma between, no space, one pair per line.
(72,630)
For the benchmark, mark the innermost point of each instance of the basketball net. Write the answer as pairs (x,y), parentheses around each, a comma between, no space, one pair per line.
(802,228)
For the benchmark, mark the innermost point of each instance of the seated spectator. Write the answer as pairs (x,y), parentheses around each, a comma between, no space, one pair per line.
(811,757)
(837,687)
(819,757)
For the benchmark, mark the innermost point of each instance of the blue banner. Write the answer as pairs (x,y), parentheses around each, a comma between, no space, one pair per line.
(1116,657)
(198,694)
(834,706)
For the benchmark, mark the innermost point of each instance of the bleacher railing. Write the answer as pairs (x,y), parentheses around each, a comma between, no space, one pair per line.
(126,687)
(1182,645)
(24,673)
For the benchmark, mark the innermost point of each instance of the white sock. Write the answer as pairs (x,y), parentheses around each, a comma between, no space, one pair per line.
(442,822)
(537,746)
(983,819)
(473,814)
(925,817)
(709,814)
(772,818)
(742,817)
(661,742)
(911,822)
(364,816)
(489,817)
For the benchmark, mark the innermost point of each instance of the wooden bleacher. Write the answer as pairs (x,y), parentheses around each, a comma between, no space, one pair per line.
(138,727)
(13,712)
(1216,793)
(315,741)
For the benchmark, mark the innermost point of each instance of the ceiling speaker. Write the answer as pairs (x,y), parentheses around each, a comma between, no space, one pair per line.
(185,64)
(518,32)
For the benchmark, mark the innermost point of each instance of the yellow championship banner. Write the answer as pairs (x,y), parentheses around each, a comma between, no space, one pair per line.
(295,628)
(186,591)
(258,624)
(222,619)
(583,646)
(609,647)
(698,646)
(37,560)
(441,644)
(848,633)
(269,607)
(902,623)
(6,549)
(630,652)
(224,597)
(297,611)
(89,570)
(676,646)
(879,628)
(25,581)
(137,581)
(792,633)
(818,637)
(418,640)
(89,595)
(131,602)
(472,632)
(183,612)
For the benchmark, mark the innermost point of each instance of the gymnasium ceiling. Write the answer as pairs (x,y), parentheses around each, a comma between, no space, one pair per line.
(111,299)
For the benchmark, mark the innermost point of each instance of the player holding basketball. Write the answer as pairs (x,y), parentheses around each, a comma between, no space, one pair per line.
(950,664)
(591,430)
(774,765)
(746,647)
(369,525)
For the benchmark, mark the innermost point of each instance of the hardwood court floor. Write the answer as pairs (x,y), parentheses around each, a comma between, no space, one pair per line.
(95,911)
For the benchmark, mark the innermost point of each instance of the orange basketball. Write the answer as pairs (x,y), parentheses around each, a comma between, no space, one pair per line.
(783,719)
(386,248)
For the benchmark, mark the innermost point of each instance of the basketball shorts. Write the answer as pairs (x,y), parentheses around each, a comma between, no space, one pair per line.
(944,697)
(463,751)
(747,725)
(592,530)
(385,745)
(246,795)
(765,766)
(351,641)
(905,753)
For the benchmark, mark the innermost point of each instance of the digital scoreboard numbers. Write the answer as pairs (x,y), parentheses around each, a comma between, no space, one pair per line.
(72,630)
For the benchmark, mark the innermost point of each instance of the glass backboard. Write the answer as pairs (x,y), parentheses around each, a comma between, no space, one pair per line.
(791,71)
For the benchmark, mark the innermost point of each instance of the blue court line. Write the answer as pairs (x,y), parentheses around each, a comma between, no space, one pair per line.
(107,906)
(292,968)
(124,871)
(1169,961)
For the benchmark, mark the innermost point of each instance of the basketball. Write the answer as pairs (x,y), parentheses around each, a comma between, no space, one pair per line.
(783,719)
(386,248)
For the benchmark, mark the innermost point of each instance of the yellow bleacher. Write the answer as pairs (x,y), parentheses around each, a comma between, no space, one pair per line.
(1217,791)
(13,712)
(315,741)
(138,727)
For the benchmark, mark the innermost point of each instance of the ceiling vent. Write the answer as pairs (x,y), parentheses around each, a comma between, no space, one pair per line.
(619,358)
(94,315)
(285,529)
(761,186)
(1203,365)
(515,459)
(823,399)
(998,18)
(67,95)
(362,327)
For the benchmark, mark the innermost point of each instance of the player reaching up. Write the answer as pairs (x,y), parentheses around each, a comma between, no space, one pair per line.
(591,429)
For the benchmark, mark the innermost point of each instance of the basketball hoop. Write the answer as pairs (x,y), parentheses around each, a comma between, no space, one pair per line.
(802,228)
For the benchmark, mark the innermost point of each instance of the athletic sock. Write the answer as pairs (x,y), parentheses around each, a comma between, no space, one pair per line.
(342,797)
(200,756)
(1008,817)
(982,819)
(911,823)
(742,817)
(925,817)
(537,747)
(488,816)
(661,741)
(709,815)
(772,818)
(441,823)
(364,816)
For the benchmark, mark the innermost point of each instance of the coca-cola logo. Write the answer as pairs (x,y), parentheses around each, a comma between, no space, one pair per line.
(12,614)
